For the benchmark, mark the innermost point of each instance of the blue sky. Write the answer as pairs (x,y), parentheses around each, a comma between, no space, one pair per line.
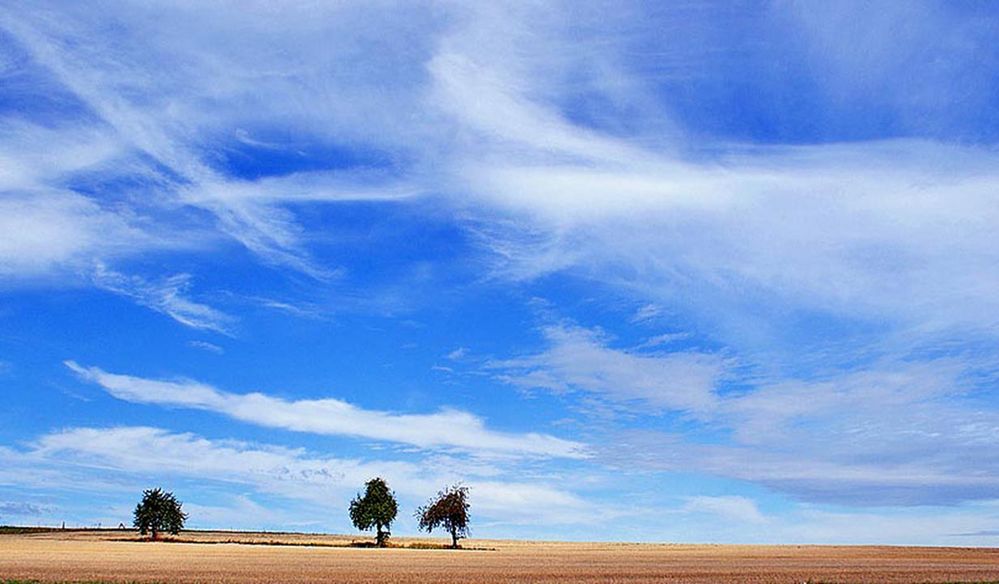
(662,272)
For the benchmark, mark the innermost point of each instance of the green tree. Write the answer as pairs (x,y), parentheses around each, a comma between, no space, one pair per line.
(377,508)
(159,511)
(449,509)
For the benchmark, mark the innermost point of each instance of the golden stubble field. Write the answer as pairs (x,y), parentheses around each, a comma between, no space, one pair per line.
(97,556)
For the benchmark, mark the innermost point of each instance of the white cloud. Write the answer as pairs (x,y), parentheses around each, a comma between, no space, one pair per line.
(304,187)
(869,230)
(731,507)
(41,232)
(46,228)
(579,359)
(35,155)
(447,428)
(491,102)
(647,312)
(255,212)
(663,339)
(166,296)
(206,346)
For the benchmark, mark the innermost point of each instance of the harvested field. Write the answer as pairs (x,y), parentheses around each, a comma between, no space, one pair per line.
(108,556)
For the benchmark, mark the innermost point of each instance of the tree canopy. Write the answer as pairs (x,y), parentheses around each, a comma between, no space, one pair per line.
(377,508)
(449,510)
(159,511)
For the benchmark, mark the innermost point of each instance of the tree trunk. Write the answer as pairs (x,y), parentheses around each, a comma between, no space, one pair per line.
(454,538)
(154,534)
(380,536)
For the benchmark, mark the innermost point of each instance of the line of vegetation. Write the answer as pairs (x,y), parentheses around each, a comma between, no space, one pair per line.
(416,545)
(17,530)
(160,512)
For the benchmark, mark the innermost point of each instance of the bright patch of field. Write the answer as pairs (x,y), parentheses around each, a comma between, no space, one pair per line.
(100,557)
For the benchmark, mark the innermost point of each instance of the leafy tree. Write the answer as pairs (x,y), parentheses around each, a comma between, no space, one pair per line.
(377,508)
(159,511)
(449,509)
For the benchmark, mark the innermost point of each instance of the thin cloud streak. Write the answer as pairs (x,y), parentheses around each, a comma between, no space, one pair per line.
(167,297)
(447,428)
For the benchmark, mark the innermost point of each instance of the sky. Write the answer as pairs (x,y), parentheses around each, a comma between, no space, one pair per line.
(678,272)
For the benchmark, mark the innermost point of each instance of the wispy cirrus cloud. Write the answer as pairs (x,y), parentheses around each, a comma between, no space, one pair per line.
(206,346)
(896,228)
(579,359)
(444,429)
(492,126)
(166,118)
(166,296)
